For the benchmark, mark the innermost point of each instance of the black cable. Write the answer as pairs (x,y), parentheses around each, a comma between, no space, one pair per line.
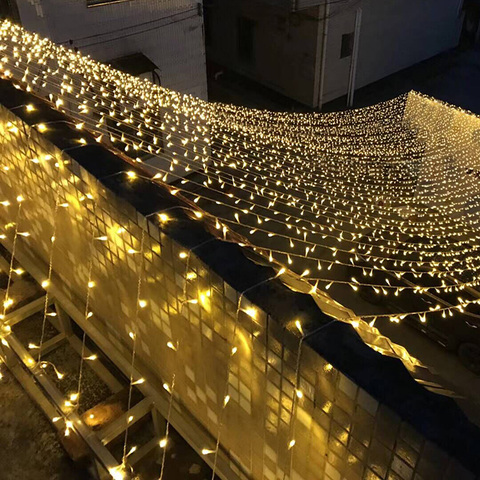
(71,41)
(137,33)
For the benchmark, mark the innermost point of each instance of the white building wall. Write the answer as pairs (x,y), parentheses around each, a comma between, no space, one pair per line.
(168,32)
(394,34)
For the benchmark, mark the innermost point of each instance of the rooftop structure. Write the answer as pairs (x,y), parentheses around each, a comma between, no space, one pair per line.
(214,287)
(162,41)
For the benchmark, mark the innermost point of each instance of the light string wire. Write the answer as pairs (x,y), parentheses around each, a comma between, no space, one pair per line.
(341,125)
(226,397)
(46,284)
(164,441)
(87,313)
(6,298)
(133,336)
(298,394)
(7,301)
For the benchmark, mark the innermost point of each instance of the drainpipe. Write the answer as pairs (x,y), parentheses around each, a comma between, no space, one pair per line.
(354,60)
(324,53)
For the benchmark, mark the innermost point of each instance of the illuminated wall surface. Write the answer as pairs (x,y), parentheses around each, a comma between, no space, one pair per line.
(279,384)
(340,431)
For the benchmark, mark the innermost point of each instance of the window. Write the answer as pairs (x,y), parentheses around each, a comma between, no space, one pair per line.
(347,45)
(207,21)
(246,40)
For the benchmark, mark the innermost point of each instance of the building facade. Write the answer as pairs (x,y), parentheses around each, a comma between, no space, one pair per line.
(160,40)
(314,52)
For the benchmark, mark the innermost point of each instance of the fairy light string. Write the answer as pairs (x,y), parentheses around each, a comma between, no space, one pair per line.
(133,336)
(298,394)
(7,302)
(87,313)
(11,134)
(383,198)
(46,284)
(232,351)
(371,257)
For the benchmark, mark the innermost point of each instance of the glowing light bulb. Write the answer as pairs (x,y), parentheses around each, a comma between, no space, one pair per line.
(299,326)
(207,451)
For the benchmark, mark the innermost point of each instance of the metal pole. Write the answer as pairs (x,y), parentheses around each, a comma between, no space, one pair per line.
(324,54)
(353,63)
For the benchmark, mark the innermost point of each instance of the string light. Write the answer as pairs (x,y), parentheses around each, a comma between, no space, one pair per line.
(338,211)
(378,192)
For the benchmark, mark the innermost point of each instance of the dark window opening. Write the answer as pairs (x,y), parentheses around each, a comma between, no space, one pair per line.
(347,45)
(246,39)
(207,22)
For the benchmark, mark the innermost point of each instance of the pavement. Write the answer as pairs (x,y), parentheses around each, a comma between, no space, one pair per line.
(29,447)
(452,76)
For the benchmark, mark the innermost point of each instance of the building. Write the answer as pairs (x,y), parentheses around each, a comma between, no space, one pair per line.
(160,40)
(316,51)
(245,365)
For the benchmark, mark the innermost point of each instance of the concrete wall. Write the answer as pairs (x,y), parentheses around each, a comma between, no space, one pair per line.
(285,45)
(394,35)
(341,432)
(174,43)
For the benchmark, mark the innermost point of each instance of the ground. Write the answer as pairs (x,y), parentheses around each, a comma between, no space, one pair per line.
(452,76)
(29,448)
